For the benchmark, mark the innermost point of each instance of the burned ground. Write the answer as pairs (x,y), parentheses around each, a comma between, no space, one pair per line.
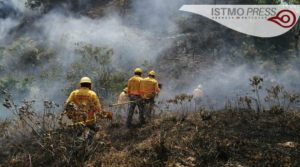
(223,138)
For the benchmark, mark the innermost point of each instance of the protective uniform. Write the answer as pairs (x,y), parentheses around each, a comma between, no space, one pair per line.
(198,94)
(134,85)
(87,103)
(148,89)
(123,97)
(134,95)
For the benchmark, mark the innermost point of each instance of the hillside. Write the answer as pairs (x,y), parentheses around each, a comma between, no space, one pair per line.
(223,138)
(184,49)
(47,46)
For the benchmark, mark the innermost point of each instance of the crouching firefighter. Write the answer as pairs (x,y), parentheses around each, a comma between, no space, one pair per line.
(133,92)
(123,98)
(149,90)
(198,95)
(86,104)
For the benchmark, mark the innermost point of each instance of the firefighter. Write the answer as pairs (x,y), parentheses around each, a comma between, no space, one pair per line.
(87,106)
(134,95)
(149,89)
(123,97)
(198,95)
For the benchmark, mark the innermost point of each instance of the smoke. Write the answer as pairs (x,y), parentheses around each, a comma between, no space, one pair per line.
(222,80)
(7,18)
(132,37)
(6,25)
(127,42)
(142,33)
(223,83)
(19,5)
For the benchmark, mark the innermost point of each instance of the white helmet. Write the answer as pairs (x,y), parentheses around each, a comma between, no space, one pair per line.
(199,86)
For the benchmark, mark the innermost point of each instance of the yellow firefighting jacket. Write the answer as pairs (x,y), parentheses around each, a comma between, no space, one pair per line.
(134,85)
(87,103)
(148,87)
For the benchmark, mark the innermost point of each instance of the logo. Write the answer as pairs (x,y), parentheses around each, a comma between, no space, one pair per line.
(256,20)
(284,18)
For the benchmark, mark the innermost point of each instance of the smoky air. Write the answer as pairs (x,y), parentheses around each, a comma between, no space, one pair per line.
(184,54)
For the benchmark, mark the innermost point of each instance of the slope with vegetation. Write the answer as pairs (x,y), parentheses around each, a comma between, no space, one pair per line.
(222,138)
(247,134)
(253,130)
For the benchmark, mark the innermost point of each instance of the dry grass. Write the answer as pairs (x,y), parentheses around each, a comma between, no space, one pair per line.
(235,136)
(226,138)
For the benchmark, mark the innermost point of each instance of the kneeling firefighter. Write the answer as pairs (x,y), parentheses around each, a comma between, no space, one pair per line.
(87,106)
(123,98)
(149,89)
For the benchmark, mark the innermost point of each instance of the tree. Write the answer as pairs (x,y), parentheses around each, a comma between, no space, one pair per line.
(96,63)
(21,62)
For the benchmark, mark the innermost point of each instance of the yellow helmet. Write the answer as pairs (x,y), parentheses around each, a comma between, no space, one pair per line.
(138,70)
(125,90)
(85,80)
(151,73)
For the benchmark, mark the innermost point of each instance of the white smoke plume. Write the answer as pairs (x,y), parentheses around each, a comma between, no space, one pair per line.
(134,38)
